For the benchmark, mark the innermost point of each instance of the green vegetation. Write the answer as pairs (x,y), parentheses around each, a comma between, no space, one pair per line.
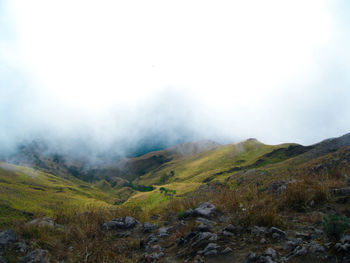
(334,226)
(25,192)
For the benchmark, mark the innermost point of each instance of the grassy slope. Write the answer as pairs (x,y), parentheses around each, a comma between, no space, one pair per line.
(191,171)
(24,190)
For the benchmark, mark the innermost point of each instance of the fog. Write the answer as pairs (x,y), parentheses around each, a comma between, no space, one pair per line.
(92,77)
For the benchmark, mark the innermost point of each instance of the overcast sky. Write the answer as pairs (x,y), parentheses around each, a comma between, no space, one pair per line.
(106,72)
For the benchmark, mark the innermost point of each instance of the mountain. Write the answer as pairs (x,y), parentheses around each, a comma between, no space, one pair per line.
(196,200)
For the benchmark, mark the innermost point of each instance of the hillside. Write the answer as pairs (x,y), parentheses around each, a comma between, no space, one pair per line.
(196,200)
(26,193)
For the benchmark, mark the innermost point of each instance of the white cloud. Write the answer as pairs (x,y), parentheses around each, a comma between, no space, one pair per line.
(244,68)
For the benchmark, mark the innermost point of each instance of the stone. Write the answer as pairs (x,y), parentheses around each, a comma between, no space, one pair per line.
(259,230)
(290,245)
(210,250)
(163,231)
(227,250)
(44,222)
(205,209)
(300,251)
(7,237)
(252,257)
(148,227)
(227,234)
(275,230)
(305,236)
(263,241)
(230,228)
(205,221)
(127,222)
(270,252)
(316,248)
(37,256)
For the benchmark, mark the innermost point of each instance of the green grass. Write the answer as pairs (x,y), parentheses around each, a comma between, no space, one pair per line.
(24,190)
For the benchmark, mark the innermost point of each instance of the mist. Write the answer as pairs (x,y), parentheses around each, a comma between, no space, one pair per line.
(90,78)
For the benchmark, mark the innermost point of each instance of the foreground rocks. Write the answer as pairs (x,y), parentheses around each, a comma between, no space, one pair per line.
(127,222)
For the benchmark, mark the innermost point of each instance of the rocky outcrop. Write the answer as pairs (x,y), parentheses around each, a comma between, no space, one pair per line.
(127,222)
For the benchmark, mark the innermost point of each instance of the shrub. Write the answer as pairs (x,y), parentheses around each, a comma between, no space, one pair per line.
(334,226)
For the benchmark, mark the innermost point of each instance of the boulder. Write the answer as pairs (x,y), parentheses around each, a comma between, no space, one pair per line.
(127,222)
(204,209)
(43,222)
(210,250)
(148,227)
(227,250)
(7,237)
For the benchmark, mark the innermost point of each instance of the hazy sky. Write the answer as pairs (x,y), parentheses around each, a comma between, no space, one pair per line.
(109,72)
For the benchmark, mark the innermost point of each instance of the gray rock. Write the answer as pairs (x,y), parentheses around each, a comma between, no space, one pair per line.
(227,250)
(44,222)
(37,256)
(230,228)
(305,236)
(266,259)
(163,231)
(227,234)
(206,222)
(290,245)
(270,252)
(300,251)
(203,228)
(316,248)
(275,230)
(210,250)
(252,257)
(263,241)
(148,227)
(127,222)
(345,239)
(204,209)
(259,230)
(7,237)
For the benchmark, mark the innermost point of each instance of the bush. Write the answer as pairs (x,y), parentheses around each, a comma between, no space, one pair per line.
(334,226)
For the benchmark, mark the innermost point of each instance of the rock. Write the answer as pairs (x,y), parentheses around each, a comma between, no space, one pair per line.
(204,209)
(316,248)
(37,256)
(266,259)
(206,222)
(7,237)
(203,228)
(342,191)
(127,222)
(290,245)
(210,250)
(230,228)
(263,241)
(163,231)
(305,236)
(345,239)
(300,251)
(202,238)
(275,230)
(148,227)
(227,234)
(339,247)
(21,247)
(270,252)
(44,222)
(252,257)
(227,250)
(259,230)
